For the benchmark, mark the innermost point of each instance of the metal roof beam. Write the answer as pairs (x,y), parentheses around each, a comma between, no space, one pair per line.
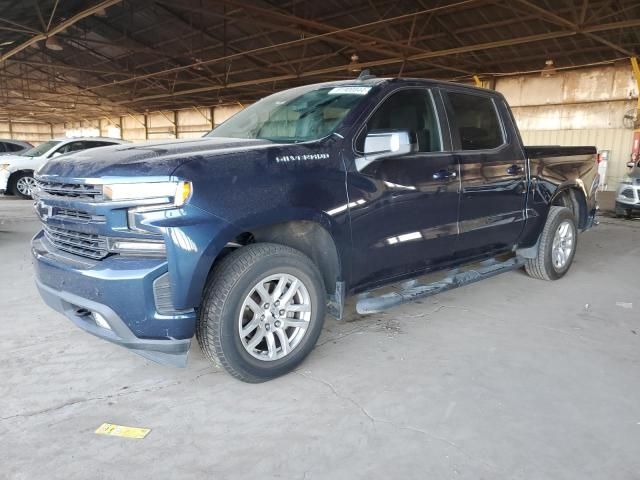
(558,20)
(59,28)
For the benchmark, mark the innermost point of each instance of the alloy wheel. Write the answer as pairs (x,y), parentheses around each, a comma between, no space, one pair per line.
(26,186)
(274,317)
(563,243)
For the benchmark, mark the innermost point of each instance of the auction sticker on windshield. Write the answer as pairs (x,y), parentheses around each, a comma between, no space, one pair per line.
(349,91)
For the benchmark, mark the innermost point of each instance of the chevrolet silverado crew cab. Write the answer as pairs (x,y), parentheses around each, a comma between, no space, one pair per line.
(249,235)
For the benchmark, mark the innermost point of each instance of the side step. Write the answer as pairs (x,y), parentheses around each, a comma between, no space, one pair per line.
(415,290)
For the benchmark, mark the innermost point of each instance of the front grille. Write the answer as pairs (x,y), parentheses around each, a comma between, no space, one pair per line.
(628,192)
(83,244)
(74,190)
(73,214)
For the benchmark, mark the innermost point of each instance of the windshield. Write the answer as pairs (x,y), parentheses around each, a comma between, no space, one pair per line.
(40,149)
(295,115)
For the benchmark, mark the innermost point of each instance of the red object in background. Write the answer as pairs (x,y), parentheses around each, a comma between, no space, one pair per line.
(635,150)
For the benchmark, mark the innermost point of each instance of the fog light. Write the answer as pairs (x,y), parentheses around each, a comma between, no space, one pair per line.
(137,247)
(100,320)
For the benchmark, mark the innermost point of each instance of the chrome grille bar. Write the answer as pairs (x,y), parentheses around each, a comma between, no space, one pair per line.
(83,244)
(70,189)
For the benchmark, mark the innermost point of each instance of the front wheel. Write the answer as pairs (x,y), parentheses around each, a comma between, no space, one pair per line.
(23,185)
(556,247)
(262,311)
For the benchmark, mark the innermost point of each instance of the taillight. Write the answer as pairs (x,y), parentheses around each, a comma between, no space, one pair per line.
(598,158)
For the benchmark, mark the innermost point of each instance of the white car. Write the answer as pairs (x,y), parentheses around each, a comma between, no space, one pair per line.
(16,171)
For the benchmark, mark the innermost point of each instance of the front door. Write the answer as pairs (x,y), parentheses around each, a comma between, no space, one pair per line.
(404,209)
(492,173)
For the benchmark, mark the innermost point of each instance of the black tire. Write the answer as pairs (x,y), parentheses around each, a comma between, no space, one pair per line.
(13,184)
(542,266)
(230,283)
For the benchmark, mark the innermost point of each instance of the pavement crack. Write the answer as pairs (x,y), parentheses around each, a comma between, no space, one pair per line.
(375,420)
(121,394)
(339,395)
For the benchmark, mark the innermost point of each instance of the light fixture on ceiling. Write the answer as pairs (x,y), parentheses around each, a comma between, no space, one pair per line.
(197,65)
(549,69)
(53,44)
(353,64)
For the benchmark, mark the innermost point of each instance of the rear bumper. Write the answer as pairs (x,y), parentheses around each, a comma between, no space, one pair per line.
(120,290)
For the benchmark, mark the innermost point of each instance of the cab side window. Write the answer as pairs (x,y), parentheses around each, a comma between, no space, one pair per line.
(475,120)
(93,144)
(70,147)
(407,110)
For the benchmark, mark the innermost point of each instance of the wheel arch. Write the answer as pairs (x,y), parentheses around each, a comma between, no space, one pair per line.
(307,236)
(15,173)
(573,197)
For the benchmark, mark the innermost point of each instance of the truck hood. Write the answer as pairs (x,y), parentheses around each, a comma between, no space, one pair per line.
(153,159)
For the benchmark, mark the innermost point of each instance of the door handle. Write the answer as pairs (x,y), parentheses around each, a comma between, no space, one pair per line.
(514,170)
(445,174)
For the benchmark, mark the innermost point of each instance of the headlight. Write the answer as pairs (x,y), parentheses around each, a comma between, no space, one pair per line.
(4,166)
(178,191)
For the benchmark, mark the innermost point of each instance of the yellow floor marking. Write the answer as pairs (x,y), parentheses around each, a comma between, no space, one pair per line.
(122,431)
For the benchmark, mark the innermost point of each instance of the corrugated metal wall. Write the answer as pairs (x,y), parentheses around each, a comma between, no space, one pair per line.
(577,107)
(34,133)
(186,123)
(616,140)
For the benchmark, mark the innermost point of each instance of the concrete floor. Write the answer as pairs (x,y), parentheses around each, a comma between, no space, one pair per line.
(511,378)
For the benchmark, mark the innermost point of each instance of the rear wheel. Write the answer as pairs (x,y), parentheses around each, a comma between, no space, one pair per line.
(23,185)
(556,247)
(262,311)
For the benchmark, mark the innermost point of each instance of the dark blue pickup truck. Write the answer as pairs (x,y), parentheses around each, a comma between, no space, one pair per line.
(248,236)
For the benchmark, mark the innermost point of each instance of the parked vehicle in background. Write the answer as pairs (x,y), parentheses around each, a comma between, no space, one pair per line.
(628,193)
(13,147)
(246,237)
(16,170)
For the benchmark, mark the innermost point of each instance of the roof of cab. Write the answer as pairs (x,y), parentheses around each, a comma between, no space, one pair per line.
(371,80)
(106,139)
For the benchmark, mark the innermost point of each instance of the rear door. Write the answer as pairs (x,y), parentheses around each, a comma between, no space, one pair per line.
(492,168)
(404,209)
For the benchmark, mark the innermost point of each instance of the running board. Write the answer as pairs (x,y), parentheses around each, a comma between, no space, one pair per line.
(415,290)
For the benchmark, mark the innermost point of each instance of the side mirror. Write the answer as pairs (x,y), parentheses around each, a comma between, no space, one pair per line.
(631,164)
(385,144)
(55,154)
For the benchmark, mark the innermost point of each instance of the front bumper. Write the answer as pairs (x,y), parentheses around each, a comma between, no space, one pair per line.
(121,291)
(4,180)
(622,207)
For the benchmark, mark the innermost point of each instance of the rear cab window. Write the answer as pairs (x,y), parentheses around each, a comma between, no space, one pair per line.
(475,123)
